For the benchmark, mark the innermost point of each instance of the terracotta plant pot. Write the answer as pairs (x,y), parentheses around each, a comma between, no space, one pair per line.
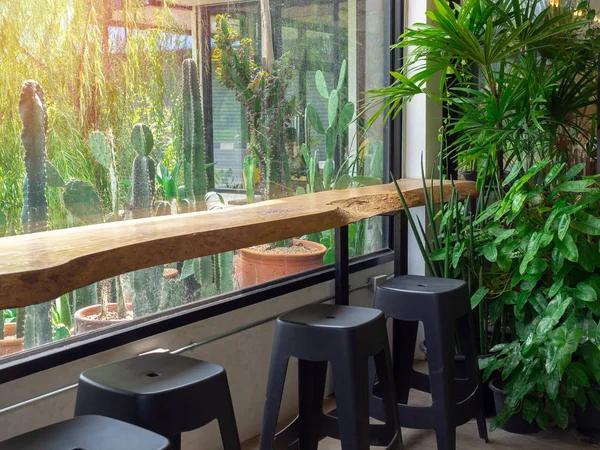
(83,323)
(256,267)
(10,346)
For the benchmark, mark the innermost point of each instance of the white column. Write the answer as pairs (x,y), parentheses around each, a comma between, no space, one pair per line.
(422,123)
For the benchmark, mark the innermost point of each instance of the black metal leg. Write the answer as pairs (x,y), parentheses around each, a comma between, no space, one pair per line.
(342,267)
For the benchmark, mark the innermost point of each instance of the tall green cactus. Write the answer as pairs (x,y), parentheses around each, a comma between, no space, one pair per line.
(339,114)
(194,155)
(32,109)
(146,282)
(143,176)
(102,149)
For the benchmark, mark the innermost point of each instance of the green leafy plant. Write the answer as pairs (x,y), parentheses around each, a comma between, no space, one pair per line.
(543,240)
(518,76)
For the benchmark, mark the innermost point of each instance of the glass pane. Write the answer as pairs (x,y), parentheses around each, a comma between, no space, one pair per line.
(116,100)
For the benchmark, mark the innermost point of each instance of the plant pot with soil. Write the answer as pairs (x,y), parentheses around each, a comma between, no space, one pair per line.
(263,263)
(10,344)
(516,423)
(93,317)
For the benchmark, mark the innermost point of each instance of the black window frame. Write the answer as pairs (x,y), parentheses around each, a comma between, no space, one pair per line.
(77,347)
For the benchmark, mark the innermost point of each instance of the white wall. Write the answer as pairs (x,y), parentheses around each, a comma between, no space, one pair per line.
(244,355)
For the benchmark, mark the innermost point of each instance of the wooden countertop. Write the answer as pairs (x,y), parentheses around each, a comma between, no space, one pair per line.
(36,268)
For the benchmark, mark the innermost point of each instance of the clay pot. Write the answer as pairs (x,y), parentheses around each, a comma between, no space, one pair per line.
(10,346)
(255,267)
(83,324)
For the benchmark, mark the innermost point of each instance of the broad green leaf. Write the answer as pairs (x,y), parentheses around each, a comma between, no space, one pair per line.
(572,388)
(314,119)
(577,372)
(530,409)
(490,252)
(580,398)
(559,412)
(553,173)
(512,361)
(501,418)
(567,247)
(478,296)
(587,224)
(457,252)
(591,356)
(514,172)
(529,282)
(346,117)
(574,186)
(541,418)
(563,226)
(332,108)
(552,385)
(554,312)
(558,260)
(518,202)
(321,84)
(555,287)
(587,256)
(594,397)
(585,292)
(537,266)
(532,249)
(573,171)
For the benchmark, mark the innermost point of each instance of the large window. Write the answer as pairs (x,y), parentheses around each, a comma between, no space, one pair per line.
(123,140)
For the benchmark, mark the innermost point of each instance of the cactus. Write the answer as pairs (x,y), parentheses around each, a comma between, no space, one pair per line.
(102,149)
(145,282)
(83,203)
(249,164)
(143,175)
(194,158)
(262,93)
(339,118)
(32,109)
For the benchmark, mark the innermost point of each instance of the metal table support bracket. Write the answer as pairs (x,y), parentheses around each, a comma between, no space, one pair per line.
(342,267)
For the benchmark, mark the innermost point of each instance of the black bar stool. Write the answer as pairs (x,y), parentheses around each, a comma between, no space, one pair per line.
(165,393)
(443,305)
(89,433)
(346,337)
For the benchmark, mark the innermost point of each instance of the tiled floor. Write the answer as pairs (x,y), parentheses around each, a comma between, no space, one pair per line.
(468,438)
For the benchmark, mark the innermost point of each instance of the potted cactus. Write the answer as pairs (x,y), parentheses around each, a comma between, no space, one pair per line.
(260,88)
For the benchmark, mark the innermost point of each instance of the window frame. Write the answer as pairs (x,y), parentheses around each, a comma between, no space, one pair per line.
(77,347)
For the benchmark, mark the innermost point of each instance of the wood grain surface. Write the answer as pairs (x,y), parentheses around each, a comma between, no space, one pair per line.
(36,268)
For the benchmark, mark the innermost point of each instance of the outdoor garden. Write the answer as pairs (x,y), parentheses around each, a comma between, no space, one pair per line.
(112,127)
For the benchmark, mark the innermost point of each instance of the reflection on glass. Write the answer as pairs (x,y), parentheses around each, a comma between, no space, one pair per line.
(126,120)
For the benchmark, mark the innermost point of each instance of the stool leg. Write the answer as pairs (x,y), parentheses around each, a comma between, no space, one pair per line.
(275,384)
(351,382)
(311,390)
(226,419)
(404,338)
(467,341)
(440,353)
(383,365)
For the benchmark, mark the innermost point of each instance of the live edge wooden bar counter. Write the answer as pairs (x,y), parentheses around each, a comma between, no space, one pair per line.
(36,268)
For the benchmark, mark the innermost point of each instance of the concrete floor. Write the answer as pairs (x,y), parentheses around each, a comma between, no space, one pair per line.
(467,436)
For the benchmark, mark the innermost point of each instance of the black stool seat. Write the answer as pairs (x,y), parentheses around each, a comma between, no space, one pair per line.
(165,393)
(350,338)
(88,433)
(443,306)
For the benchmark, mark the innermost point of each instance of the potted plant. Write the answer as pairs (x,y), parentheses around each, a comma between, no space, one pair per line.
(9,342)
(551,260)
(261,91)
